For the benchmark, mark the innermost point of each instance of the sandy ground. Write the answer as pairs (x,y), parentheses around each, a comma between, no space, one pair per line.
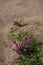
(22,11)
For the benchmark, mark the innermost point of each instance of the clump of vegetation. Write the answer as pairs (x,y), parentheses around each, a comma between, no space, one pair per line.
(28,47)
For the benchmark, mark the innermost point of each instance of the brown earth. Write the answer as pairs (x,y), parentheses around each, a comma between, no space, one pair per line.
(26,13)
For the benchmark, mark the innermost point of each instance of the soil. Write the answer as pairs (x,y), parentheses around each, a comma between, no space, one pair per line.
(28,14)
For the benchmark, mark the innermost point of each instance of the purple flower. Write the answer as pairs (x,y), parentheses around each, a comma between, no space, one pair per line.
(28,40)
(24,49)
(25,37)
(18,47)
(14,41)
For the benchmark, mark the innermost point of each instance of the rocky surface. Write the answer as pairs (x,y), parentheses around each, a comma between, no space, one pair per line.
(27,14)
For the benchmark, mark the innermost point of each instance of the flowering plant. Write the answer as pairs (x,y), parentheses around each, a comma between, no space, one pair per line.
(23,47)
(28,47)
(26,43)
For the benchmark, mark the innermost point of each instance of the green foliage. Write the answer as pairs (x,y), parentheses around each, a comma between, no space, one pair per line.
(33,55)
(34,60)
(32,47)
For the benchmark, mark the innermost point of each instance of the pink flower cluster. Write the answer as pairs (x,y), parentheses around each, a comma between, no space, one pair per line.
(18,46)
(28,40)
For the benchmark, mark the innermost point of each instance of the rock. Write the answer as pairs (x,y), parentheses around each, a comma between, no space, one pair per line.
(20,21)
